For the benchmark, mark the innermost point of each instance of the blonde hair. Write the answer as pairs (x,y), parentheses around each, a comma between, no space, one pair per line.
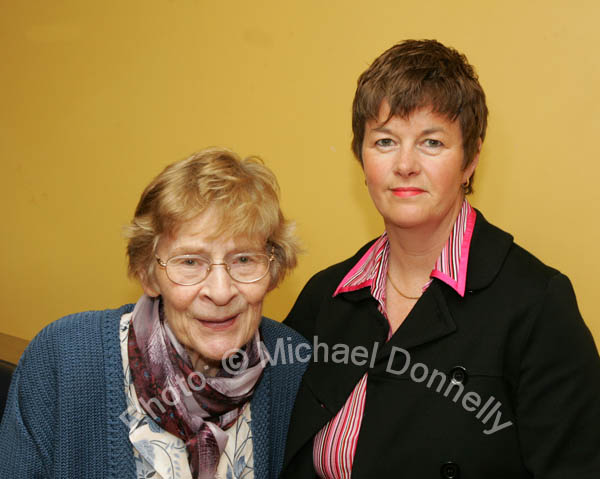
(244,192)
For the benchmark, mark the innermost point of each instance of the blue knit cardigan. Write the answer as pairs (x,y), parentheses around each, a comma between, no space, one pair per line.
(62,414)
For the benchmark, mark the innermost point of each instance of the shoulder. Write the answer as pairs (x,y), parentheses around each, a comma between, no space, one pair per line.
(79,328)
(326,281)
(272,331)
(75,340)
(68,383)
(528,273)
(535,300)
(496,260)
(288,351)
(318,290)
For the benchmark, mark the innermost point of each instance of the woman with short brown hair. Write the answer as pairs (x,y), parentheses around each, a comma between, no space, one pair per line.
(458,353)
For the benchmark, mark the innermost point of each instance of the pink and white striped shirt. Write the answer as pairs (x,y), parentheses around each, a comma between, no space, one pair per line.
(334,445)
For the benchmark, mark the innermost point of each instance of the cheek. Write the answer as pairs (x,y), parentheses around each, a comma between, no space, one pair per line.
(371,171)
(379,174)
(253,321)
(445,179)
(179,300)
(174,296)
(374,179)
(177,303)
(255,300)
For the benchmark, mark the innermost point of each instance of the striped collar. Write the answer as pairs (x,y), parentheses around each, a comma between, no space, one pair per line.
(450,267)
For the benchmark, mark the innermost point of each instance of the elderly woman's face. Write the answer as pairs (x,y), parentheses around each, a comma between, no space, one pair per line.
(414,167)
(217,315)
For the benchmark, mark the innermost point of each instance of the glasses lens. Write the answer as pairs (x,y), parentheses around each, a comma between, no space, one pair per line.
(187,269)
(248,267)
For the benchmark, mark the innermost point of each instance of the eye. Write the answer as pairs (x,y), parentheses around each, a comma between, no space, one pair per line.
(188,261)
(431,143)
(243,259)
(385,142)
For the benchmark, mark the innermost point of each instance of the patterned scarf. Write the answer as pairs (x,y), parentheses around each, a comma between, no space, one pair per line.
(182,401)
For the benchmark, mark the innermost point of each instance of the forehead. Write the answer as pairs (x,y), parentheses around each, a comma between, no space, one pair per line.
(421,118)
(201,235)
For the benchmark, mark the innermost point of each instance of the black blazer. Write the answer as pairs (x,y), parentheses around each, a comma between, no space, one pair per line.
(503,383)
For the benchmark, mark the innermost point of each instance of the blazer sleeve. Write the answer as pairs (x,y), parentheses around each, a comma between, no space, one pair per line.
(27,427)
(558,398)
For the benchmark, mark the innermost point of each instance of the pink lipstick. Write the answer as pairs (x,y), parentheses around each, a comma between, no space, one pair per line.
(407,192)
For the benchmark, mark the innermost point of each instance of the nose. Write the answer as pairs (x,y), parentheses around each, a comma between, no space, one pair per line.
(218,285)
(406,161)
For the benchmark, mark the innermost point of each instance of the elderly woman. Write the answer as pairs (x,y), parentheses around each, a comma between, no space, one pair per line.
(179,385)
(442,348)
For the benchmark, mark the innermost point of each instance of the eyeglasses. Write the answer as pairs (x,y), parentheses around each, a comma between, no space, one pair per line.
(190,269)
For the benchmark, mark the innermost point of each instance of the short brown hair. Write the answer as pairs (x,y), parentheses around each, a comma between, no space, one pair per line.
(420,73)
(244,192)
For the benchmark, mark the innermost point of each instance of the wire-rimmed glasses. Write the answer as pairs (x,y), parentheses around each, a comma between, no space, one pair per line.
(190,269)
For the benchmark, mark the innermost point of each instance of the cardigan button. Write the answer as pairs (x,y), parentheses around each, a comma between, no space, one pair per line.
(450,470)
(458,375)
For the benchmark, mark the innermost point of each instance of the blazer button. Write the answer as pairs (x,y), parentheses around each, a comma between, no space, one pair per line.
(458,375)
(450,470)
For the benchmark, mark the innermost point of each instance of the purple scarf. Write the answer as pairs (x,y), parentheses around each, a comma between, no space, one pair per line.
(182,401)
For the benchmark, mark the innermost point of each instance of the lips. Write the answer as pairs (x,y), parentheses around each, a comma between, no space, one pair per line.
(406,192)
(218,324)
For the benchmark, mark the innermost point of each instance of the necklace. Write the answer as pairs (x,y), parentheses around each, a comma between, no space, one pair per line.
(400,292)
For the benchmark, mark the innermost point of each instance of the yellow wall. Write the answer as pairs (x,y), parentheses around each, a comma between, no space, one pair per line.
(96,97)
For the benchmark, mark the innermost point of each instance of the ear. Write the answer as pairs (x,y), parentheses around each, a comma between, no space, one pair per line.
(149,284)
(469,170)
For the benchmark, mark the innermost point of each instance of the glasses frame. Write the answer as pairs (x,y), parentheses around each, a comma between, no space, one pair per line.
(163,264)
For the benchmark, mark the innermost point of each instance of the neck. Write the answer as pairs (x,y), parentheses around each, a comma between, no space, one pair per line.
(414,250)
(207,367)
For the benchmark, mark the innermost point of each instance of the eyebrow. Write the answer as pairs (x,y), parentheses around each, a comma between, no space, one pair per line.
(185,249)
(190,249)
(383,129)
(433,129)
(426,131)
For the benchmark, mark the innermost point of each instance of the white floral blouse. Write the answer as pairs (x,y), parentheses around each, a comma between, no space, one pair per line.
(160,455)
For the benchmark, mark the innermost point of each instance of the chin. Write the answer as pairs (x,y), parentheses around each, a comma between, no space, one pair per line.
(217,355)
(405,221)
(223,350)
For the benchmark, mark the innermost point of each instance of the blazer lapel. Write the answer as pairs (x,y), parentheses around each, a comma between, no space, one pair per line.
(348,324)
(428,321)
(352,320)
(351,341)
(354,330)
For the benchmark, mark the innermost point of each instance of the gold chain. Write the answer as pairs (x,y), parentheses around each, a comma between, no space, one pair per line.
(400,292)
